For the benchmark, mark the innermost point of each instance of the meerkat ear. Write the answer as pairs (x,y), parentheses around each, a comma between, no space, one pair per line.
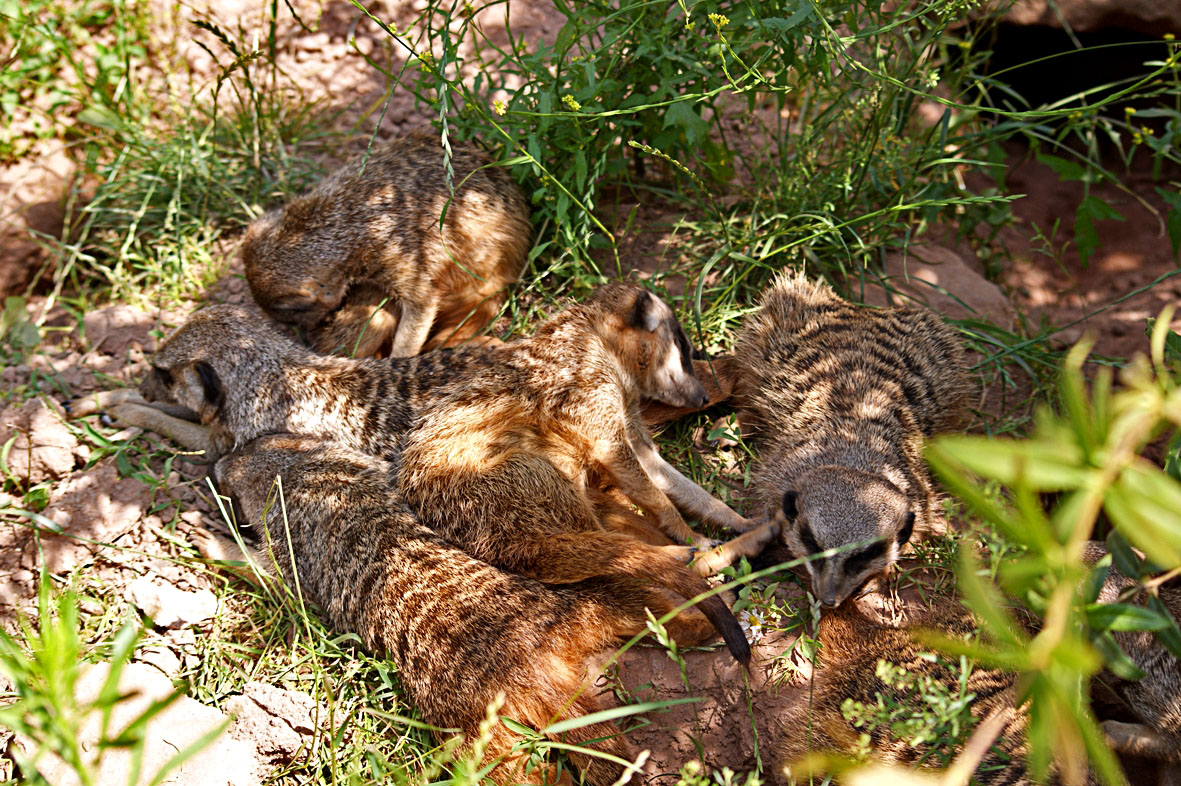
(214,392)
(789,504)
(645,315)
(907,529)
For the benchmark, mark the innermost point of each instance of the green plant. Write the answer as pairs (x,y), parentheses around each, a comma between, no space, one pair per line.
(44,665)
(929,710)
(1090,456)
(66,59)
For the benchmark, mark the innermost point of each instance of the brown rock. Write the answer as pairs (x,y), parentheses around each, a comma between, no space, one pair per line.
(44,447)
(276,720)
(225,761)
(1152,17)
(940,279)
(116,329)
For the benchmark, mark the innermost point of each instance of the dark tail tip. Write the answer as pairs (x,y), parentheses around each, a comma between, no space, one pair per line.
(723,619)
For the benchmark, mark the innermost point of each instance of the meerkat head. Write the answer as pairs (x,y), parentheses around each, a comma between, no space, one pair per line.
(215,360)
(295,263)
(832,506)
(246,477)
(651,345)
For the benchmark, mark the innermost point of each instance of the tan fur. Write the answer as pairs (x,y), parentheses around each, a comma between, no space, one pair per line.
(244,380)
(459,630)
(360,262)
(851,647)
(503,463)
(841,398)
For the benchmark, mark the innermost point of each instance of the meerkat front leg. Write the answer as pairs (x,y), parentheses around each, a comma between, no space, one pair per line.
(749,544)
(1139,739)
(99,400)
(624,469)
(189,435)
(414,325)
(689,498)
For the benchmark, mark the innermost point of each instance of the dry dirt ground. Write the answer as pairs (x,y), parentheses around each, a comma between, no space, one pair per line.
(134,538)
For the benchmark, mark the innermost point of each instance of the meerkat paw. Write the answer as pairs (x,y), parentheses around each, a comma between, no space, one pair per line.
(224,552)
(93,403)
(1138,739)
(189,435)
(748,545)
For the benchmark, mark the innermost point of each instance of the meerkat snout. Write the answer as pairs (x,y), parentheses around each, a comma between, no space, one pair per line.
(834,511)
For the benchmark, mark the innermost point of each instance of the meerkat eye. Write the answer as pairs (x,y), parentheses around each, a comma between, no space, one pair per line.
(163,375)
(861,559)
(809,540)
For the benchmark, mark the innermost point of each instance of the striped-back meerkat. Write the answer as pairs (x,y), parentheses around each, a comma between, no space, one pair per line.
(244,379)
(460,630)
(382,256)
(502,463)
(841,398)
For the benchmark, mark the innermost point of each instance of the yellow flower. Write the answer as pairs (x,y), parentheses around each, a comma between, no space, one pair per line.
(719,20)
(569,101)
(499,107)
(1169,36)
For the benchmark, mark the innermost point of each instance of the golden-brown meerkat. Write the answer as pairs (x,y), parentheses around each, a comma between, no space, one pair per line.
(840,398)
(244,379)
(362,263)
(503,462)
(460,630)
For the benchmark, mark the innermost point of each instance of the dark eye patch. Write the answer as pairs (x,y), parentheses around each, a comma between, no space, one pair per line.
(867,555)
(683,345)
(809,540)
(163,375)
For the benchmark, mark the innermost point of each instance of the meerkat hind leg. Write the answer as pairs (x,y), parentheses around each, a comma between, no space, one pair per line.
(93,403)
(225,553)
(1138,739)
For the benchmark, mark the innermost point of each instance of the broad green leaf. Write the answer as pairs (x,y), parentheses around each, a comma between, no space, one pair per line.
(1172,217)
(1044,466)
(1122,617)
(1121,553)
(1064,169)
(1125,510)
(1086,237)
(682,115)
(1170,635)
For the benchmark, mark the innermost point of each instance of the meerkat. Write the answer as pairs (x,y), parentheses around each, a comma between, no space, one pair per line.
(243,379)
(382,256)
(460,630)
(840,399)
(502,462)
(851,647)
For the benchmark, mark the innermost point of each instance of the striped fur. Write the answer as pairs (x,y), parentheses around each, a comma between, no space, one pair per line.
(459,630)
(361,263)
(840,398)
(851,647)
